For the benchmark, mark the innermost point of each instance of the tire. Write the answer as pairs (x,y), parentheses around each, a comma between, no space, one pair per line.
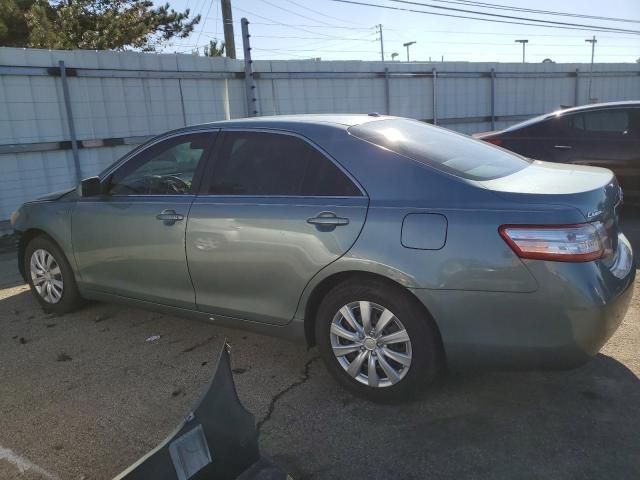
(421,357)
(51,279)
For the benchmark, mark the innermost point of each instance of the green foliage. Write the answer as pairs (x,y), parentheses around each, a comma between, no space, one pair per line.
(91,24)
(213,49)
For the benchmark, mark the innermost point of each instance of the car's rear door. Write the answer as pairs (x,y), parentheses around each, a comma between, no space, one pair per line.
(130,240)
(610,138)
(275,211)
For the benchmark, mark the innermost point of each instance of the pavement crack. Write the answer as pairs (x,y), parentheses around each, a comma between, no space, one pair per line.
(272,405)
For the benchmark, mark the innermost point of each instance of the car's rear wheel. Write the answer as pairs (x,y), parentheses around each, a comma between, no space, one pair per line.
(50,276)
(377,341)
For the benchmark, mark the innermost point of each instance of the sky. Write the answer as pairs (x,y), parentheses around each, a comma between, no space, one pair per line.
(302,29)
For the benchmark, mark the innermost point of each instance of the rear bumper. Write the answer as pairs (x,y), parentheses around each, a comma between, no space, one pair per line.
(575,310)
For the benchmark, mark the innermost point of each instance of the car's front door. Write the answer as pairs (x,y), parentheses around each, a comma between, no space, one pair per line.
(275,212)
(130,241)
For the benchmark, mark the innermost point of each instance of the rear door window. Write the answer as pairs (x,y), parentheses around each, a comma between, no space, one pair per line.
(608,122)
(275,164)
(442,149)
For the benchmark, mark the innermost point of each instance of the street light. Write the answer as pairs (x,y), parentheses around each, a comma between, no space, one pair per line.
(408,44)
(524,43)
(393,56)
(593,42)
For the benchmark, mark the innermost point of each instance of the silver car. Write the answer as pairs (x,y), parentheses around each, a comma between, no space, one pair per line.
(398,248)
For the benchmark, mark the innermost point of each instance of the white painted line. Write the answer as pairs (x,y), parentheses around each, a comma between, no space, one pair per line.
(23,464)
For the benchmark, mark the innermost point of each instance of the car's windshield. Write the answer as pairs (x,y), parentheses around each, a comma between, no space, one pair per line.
(445,150)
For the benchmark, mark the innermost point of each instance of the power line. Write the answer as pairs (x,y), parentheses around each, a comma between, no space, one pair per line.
(497,6)
(206,17)
(320,13)
(402,9)
(315,38)
(280,23)
(511,17)
(307,26)
(312,50)
(295,13)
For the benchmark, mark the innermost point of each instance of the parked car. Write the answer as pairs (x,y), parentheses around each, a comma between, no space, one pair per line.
(604,135)
(394,246)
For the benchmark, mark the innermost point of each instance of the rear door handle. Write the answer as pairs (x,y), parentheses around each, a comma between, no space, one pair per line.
(563,147)
(169,217)
(327,221)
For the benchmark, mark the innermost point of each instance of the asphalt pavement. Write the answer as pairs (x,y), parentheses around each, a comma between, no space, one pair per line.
(84,395)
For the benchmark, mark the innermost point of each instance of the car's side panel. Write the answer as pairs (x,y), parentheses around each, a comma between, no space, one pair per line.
(252,257)
(52,218)
(121,247)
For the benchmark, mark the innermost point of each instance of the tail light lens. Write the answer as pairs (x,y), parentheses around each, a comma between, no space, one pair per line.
(563,243)
(495,141)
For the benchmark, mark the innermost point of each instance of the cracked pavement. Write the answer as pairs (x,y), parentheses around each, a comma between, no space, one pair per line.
(84,395)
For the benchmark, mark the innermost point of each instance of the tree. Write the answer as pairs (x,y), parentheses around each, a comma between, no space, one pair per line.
(638,60)
(91,24)
(213,49)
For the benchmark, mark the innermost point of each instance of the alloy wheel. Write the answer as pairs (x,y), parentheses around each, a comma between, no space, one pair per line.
(371,344)
(46,276)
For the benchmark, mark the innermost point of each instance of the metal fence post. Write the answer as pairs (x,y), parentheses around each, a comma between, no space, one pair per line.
(249,85)
(493,99)
(386,91)
(435,105)
(576,98)
(72,128)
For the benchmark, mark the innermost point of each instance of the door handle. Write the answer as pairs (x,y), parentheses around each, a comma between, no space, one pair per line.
(327,221)
(563,147)
(169,217)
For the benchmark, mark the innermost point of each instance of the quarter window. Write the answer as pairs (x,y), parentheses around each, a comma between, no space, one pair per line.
(606,121)
(167,168)
(261,163)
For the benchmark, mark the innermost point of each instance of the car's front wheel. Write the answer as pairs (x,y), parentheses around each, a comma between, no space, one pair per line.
(50,276)
(377,341)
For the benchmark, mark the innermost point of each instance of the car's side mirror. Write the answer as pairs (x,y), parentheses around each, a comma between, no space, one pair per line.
(90,187)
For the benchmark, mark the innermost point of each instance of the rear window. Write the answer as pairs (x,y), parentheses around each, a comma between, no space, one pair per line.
(445,150)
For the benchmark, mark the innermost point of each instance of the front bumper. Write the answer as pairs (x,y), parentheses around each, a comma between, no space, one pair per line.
(576,309)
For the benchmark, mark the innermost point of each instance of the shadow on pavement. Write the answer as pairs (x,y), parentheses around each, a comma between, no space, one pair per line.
(572,424)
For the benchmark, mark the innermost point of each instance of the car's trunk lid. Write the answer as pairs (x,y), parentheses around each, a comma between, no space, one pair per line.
(591,190)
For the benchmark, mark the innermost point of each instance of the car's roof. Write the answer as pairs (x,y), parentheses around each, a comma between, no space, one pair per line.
(570,110)
(343,120)
(596,106)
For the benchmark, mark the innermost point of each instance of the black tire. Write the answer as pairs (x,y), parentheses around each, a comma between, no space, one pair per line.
(425,345)
(70,299)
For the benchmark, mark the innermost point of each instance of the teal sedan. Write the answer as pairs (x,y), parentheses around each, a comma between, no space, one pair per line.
(397,247)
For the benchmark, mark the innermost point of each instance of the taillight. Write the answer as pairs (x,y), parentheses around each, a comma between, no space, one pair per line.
(495,141)
(564,243)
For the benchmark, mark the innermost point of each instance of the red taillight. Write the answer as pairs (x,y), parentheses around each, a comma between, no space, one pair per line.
(564,243)
(495,141)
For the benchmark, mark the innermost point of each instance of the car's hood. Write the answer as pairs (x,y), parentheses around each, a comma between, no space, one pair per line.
(50,197)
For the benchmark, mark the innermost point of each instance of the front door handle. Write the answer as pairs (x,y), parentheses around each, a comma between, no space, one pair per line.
(562,147)
(169,217)
(327,221)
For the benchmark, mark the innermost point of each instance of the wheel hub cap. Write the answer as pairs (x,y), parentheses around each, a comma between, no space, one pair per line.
(371,344)
(46,276)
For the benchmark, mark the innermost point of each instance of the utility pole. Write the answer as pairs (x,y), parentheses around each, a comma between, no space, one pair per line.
(227,23)
(593,42)
(524,44)
(379,30)
(408,44)
(249,84)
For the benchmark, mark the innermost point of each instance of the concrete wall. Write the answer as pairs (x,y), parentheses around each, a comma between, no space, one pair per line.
(120,98)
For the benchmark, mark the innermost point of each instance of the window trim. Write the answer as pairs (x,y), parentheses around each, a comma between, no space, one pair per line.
(214,162)
(142,149)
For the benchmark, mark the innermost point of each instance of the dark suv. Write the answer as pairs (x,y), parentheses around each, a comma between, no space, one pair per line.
(605,135)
